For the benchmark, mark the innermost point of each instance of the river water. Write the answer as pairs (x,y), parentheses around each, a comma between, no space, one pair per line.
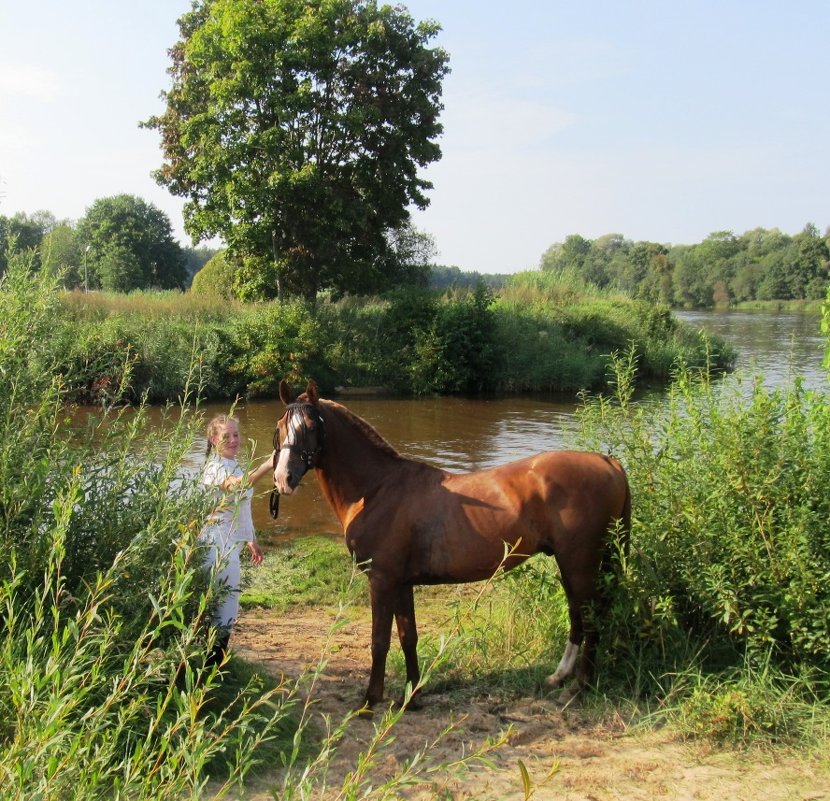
(461,434)
(779,345)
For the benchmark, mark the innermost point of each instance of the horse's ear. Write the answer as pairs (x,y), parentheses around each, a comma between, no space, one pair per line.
(287,395)
(312,392)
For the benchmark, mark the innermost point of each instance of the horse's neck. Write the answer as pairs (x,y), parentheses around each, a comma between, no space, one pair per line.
(355,462)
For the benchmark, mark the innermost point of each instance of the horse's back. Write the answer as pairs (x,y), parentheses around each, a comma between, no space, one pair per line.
(561,478)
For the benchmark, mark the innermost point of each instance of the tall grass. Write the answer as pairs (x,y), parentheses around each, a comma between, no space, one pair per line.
(724,610)
(103,691)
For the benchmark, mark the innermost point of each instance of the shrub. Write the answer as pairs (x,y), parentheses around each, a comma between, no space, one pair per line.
(216,277)
(101,593)
(730,551)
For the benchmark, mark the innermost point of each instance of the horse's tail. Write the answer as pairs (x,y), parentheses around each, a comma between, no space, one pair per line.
(617,542)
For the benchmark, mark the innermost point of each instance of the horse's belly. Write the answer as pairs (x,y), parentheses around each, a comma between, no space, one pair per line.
(448,550)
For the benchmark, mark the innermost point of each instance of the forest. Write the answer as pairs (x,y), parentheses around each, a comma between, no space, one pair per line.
(723,270)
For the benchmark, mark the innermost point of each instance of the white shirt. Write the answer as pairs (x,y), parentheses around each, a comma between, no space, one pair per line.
(232,520)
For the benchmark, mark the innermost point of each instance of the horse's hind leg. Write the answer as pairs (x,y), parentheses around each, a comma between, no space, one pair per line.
(584,604)
(580,590)
(408,636)
(567,664)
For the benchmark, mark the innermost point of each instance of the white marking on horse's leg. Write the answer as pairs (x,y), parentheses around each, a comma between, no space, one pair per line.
(566,666)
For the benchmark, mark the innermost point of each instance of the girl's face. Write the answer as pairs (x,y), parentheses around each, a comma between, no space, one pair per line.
(227,440)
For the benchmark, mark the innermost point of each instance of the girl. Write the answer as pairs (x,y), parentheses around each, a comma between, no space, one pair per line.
(230,524)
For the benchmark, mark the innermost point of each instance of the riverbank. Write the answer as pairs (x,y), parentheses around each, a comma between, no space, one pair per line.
(589,749)
(540,333)
(801,306)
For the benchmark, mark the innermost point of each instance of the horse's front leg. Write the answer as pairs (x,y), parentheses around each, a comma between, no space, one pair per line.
(382,606)
(408,636)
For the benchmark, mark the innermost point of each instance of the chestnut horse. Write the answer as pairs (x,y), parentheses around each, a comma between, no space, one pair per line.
(416,524)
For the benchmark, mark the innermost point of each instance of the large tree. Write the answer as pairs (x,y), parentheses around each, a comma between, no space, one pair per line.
(128,244)
(295,129)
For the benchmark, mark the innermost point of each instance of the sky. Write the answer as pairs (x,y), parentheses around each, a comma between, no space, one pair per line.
(662,121)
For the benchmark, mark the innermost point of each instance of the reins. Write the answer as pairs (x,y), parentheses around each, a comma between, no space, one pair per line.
(274,497)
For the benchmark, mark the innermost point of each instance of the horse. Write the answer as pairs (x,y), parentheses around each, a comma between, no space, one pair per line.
(413,523)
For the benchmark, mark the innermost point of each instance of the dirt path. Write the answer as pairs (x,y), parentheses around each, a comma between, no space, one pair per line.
(567,757)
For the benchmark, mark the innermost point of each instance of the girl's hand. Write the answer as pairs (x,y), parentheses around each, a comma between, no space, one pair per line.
(256,553)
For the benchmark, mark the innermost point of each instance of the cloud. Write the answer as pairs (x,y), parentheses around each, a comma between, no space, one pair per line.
(29,81)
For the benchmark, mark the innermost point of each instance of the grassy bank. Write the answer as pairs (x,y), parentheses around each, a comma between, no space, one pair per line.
(800,306)
(543,332)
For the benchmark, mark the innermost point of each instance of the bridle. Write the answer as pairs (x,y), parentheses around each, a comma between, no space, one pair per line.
(308,456)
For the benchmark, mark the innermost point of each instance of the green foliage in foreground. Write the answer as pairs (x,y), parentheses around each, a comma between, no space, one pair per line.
(543,332)
(103,691)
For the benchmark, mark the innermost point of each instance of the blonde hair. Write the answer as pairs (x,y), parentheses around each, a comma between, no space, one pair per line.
(218,422)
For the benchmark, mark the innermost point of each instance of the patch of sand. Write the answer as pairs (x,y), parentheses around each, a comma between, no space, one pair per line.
(566,756)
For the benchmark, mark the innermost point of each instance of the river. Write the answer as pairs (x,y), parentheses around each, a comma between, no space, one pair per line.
(779,345)
(462,434)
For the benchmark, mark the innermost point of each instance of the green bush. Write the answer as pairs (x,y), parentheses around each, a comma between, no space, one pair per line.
(457,352)
(541,333)
(729,563)
(216,277)
(101,689)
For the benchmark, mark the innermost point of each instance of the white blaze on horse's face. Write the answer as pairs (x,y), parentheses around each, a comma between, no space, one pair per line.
(291,462)
(282,473)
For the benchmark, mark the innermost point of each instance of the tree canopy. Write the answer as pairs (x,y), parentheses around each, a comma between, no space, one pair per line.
(128,244)
(295,131)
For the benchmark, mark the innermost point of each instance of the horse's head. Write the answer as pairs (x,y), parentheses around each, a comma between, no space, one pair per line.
(299,437)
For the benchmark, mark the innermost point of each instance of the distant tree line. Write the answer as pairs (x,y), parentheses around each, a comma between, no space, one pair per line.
(723,269)
(121,244)
(124,243)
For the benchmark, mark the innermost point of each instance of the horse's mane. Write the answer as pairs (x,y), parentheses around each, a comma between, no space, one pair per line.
(360,424)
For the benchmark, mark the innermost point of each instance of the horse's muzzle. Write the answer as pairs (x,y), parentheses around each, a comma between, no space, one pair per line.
(288,475)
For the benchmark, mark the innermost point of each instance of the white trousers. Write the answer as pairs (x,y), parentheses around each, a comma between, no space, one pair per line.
(226,579)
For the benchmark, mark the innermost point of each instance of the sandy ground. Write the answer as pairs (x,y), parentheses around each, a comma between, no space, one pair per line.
(566,755)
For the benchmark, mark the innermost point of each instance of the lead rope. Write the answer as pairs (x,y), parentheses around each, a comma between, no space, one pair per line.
(274,498)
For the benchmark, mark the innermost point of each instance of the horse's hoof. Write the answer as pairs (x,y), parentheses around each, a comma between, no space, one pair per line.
(554,681)
(568,696)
